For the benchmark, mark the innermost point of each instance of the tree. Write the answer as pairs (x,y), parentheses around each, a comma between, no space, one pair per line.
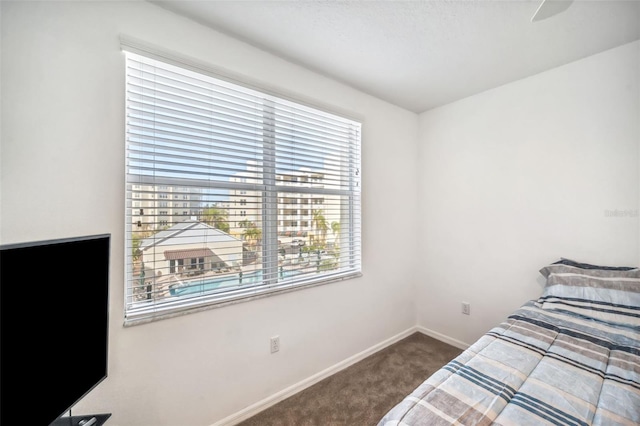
(246,224)
(135,247)
(252,233)
(136,241)
(216,217)
(319,222)
(335,228)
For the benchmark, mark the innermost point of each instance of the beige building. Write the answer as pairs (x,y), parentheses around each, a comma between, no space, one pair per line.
(157,207)
(295,208)
(154,207)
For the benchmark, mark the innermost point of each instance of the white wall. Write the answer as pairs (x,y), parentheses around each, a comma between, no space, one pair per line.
(508,180)
(516,177)
(62,171)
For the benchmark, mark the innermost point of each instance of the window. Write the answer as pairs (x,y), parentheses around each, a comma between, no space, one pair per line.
(221,146)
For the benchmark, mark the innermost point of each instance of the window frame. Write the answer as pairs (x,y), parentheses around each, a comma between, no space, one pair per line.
(272,188)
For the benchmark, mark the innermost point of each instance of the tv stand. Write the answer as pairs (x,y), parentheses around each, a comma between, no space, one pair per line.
(86,420)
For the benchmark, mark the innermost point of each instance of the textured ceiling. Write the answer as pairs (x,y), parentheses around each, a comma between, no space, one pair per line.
(421,54)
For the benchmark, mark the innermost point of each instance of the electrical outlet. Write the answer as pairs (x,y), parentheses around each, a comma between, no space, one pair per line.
(275,344)
(466,308)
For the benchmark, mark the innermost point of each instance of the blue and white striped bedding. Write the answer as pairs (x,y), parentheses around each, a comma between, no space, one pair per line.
(571,357)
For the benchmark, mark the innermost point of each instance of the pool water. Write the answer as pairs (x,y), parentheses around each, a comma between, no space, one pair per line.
(205,285)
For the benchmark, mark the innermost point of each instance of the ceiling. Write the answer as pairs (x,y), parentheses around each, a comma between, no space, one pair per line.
(420,54)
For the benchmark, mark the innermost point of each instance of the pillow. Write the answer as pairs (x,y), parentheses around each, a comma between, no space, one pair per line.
(545,272)
(606,295)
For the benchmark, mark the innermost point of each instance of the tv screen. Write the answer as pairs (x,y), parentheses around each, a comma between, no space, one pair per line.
(54,302)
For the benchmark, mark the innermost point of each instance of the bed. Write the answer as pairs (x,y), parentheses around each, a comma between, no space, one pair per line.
(571,357)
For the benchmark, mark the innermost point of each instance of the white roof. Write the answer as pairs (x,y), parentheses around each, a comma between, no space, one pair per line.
(189,231)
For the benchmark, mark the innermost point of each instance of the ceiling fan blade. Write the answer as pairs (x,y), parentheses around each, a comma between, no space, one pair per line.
(549,8)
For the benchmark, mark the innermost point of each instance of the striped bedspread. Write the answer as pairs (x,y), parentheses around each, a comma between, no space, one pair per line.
(550,362)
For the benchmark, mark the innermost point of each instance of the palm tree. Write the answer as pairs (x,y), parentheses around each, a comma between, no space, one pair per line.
(319,222)
(216,217)
(335,228)
(253,234)
(246,224)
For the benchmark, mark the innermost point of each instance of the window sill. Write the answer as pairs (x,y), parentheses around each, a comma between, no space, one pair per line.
(218,301)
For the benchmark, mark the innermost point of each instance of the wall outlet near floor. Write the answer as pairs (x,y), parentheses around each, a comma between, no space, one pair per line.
(275,344)
(466,308)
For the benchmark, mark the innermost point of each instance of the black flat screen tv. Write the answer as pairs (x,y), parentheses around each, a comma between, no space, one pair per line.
(54,304)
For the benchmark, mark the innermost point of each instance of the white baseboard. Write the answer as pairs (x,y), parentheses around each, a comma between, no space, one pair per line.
(259,406)
(443,338)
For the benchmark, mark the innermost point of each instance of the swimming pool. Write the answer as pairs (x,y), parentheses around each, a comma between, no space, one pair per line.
(205,285)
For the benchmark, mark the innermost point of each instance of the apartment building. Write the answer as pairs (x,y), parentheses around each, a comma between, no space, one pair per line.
(305,212)
(156,207)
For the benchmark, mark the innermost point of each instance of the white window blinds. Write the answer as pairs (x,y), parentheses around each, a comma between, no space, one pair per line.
(232,193)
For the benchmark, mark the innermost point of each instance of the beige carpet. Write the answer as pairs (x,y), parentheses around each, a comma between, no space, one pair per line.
(362,393)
